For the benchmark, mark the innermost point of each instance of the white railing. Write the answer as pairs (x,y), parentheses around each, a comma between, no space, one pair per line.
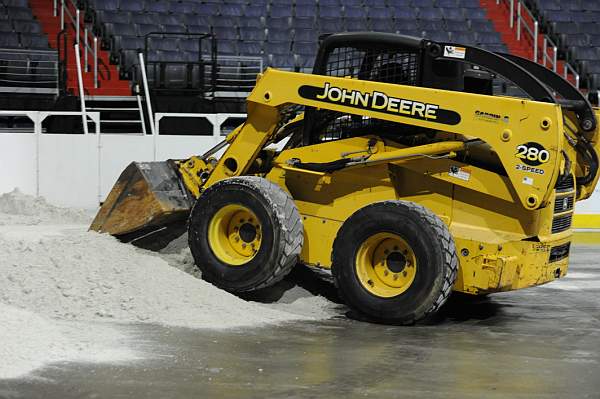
(29,71)
(237,72)
(533,31)
(89,40)
(549,44)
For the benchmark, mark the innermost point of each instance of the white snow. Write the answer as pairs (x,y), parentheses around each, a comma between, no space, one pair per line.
(53,270)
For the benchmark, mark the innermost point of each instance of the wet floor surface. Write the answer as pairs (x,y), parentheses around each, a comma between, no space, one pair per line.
(537,343)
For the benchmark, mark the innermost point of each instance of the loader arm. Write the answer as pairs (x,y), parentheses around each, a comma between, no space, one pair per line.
(518,123)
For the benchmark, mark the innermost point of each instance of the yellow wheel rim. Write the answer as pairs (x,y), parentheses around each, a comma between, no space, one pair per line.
(385,265)
(234,234)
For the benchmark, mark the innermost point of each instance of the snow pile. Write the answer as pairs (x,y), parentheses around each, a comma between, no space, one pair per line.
(90,276)
(55,275)
(29,341)
(22,209)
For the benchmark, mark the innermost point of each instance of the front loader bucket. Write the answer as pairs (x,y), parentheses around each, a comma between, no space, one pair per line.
(148,206)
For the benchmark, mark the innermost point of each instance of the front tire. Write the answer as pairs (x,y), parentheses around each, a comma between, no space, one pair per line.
(245,233)
(394,262)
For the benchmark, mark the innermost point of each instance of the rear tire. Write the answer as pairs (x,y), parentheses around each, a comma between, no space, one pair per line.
(394,262)
(245,233)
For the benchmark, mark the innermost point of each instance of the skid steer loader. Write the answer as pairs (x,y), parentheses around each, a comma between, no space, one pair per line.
(401,172)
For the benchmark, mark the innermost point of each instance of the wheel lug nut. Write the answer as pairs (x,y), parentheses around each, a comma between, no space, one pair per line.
(370,282)
(237,239)
(404,274)
(395,277)
(244,245)
(385,272)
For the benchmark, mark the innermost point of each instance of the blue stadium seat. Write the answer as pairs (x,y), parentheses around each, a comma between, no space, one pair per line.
(225,22)
(306,35)
(225,33)
(447,3)
(145,29)
(257,34)
(407,25)
(303,23)
(183,8)
(329,3)
(252,23)
(198,28)
(277,23)
(9,40)
(19,12)
(406,13)
(379,13)
(34,41)
(477,14)
(161,7)
(231,10)
(277,11)
(279,35)
(281,61)
(132,5)
(106,5)
(356,24)
(469,3)
(468,38)
(578,40)
(488,38)
(207,9)
(402,4)
(432,14)
(482,26)
(227,47)
(27,26)
(129,42)
(277,47)
(163,43)
(113,16)
(423,3)
(329,12)
(255,11)
(354,12)
(6,26)
(304,48)
(437,35)
(145,18)
(15,3)
(457,26)
(383,25)
(250,48)
(120,29)
(179,28)
(430,25)
(453,14)
(330,25)
(306,11)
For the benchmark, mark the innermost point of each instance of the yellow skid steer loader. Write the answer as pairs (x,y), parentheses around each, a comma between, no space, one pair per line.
(401,172)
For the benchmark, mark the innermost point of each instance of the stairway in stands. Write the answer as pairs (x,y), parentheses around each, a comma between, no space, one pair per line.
(109,83)
(500,17)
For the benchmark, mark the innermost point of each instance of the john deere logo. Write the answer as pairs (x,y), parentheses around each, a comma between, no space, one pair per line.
(380,102)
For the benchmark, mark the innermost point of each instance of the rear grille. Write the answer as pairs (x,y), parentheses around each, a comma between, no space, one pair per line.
(566,184)
(563,204)
(561,223)
(559,252)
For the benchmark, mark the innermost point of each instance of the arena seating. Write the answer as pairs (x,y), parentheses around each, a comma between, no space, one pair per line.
(26,61)
(574,26)
(18,28)
(284,33)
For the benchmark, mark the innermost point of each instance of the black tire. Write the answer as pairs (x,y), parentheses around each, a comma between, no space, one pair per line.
(282,233)
(434,250)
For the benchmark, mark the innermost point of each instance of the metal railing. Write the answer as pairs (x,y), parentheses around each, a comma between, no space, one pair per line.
(523,23)
(85,36)
(29,71)
(549,44)
(237,73)
(533,30)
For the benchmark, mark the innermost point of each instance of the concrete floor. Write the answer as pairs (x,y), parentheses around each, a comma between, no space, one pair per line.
(538,343)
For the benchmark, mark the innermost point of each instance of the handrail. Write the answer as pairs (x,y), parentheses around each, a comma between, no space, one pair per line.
(548,43)
(569,69)
(81,90)
(533,32)
(62,61)
(91,49)
(522,23)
